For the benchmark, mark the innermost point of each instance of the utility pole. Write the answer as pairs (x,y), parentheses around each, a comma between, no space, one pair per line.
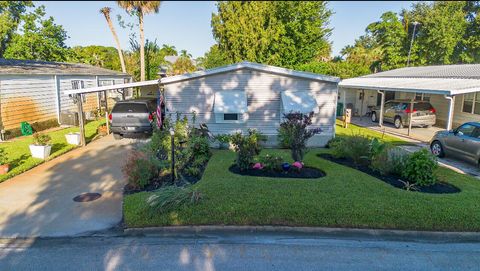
(411,43)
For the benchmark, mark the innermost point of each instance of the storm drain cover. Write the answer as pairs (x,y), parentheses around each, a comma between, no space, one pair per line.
(86,197)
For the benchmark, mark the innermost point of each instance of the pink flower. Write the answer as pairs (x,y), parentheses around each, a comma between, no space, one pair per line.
(298,165)
(258,166)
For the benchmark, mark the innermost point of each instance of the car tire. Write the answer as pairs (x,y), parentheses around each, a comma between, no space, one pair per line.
(437,149)
(374,117)
(398,123)
(117,136)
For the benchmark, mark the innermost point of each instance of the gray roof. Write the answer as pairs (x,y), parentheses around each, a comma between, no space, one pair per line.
(462,71)
(15,66)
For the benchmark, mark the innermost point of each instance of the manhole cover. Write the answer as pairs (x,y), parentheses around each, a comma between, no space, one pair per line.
(86,197)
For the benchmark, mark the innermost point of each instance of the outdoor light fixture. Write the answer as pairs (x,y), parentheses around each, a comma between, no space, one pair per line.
(172,136)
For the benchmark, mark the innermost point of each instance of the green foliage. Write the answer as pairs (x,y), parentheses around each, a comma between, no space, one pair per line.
(141,168)
(271,162)
(294,133)
(281,33)
(41,139)
(40,39)
(223,140)
(247,147)
(356,147)
(390,161)
(420,168)
(183,65)
(172,197)
(10,17)
(342,69)
(95,55)
(215,57)
(3,156)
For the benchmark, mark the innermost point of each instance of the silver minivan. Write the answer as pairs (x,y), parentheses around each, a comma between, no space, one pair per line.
(397,111)
(462,142)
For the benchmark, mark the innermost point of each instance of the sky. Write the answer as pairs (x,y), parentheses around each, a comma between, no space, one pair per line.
(186,25)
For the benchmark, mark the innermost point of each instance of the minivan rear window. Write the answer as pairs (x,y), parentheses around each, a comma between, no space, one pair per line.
(130,108)
(422,106)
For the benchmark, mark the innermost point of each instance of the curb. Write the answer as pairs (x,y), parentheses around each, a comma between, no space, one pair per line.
(399,235)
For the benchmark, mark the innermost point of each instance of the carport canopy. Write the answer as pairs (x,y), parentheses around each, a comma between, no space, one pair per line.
(447,80)
(76,93)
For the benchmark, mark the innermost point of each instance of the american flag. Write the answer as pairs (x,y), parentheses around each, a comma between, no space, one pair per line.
(159,111)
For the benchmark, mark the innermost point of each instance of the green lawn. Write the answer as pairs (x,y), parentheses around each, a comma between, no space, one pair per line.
(18,152)
(354,129)
(344,198)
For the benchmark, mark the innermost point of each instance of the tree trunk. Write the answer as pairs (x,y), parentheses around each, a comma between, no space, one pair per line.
(142,47)
(119,49)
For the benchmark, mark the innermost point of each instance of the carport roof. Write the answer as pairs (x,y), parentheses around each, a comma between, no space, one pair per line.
(446,79)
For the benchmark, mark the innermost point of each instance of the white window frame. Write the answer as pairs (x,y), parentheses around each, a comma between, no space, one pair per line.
(423,96)
(220,118)
(476,99)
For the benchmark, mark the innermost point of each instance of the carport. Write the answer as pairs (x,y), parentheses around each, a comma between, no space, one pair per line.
(451,89)
(76,95)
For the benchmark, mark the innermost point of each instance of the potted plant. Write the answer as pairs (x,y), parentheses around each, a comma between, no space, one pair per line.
(73,138)
(3,162)
(41,146)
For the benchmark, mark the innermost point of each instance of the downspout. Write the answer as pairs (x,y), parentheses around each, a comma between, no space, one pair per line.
(451,108)
(57,96)
(382,107)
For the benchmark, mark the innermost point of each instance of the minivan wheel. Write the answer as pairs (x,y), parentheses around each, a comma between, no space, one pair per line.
(374,117)
(398,123)
(437,149)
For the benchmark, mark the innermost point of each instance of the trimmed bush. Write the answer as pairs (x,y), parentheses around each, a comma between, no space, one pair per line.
(247,147)
(420,167)
(390,160)
(355,147)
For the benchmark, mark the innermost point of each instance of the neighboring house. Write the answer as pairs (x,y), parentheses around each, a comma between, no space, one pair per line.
(249,95)
(453,90)
(32,91)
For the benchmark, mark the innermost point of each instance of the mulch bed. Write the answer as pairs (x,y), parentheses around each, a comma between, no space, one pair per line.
(305,173)
(438,188)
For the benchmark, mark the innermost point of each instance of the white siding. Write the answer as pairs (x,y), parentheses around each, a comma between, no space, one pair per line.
(263,100)
(30,99)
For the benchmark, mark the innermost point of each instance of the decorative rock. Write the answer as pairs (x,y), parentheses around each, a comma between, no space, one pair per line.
(285,166)
(298,165)
(258,166)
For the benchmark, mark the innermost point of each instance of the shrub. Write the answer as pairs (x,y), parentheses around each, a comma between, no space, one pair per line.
(223,140)
(355,147)
(246,147)
(294,133)
(271,163)
(41,139)
(3,156)
(171,197)
(390,160)
(140,169)
(420,168)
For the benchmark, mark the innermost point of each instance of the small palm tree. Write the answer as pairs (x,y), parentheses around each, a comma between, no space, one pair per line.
(106,12)
(140,8)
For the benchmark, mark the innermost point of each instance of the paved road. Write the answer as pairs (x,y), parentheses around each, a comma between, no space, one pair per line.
(236,252)
(39,201)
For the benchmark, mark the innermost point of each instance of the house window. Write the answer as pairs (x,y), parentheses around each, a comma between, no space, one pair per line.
(422,97)
(230,117)
(79,84)
(471,103)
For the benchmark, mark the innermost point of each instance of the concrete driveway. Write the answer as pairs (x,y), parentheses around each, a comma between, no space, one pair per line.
(40,202)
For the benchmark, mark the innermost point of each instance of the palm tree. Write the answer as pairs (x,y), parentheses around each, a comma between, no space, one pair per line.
(169,49)
(106,12)
(140,8)
(184,53)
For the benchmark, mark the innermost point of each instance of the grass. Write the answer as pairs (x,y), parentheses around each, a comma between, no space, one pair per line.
(355,129)
(18,152)
(344,198)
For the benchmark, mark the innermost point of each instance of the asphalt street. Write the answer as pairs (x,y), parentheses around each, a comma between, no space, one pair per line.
(237,251)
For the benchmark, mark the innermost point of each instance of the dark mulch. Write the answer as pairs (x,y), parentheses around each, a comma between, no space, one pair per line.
(304,173)
(438,188)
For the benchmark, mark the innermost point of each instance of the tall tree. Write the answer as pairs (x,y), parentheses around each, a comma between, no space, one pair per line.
(278,33)
(106,12)
(214,58)
(10,17)
(169,50)
(39,39)
(141,8)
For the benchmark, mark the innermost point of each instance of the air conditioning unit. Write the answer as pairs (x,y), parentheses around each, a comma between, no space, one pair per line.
(69,118)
